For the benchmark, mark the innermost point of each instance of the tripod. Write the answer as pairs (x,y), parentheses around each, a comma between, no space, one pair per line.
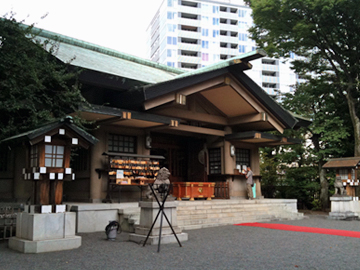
(163,190)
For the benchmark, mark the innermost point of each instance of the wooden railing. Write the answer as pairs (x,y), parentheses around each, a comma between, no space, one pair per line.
(221,190)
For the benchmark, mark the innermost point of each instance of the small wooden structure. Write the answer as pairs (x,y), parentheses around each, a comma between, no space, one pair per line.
(347,170)
(48,153)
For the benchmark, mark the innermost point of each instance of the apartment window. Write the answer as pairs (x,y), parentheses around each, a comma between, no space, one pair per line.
(215,33)
(242,48)
(242,13)
(54,156)
(215,9)
(205,57)
(170,15)
(215,21)
(215,160)
(242,157)
(243,37)
(168,53)
(170,3)
(170,64)
(34,160)
(122,144)
(171,27)
(205,44)
(171,40)
(205,32)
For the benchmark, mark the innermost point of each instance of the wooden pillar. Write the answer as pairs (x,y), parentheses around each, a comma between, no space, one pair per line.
(44,192)
(56,190)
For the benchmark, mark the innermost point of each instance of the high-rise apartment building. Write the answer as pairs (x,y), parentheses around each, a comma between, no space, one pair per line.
(191,34)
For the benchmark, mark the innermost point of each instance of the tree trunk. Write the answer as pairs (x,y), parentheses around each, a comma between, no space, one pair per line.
(356,123)
(324,192)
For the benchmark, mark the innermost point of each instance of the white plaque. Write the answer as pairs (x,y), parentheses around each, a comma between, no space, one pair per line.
(75,140)
(42,169)
(60,208)
(119,174)
(45,209)
(67,170)
(52,176)
(62,131)
(60,176)
(36,176)
(47,139)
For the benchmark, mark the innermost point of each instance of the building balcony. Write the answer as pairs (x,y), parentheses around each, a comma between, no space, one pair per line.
(270,67)
(187,9)
(229,51)
(229,15)
(189,34)
(189,47)
(191,22)
(229,27)
(189,59)
(228,39)
(270,79)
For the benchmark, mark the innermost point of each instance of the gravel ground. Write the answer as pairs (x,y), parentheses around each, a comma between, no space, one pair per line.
(225,247)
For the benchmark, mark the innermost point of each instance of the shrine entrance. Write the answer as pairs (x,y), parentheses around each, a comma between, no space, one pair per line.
(183,157)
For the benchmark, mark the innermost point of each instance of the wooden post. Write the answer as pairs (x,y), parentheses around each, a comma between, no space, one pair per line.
(44,192)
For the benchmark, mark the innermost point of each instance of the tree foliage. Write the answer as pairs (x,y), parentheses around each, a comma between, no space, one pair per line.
(326,36)
(34,86)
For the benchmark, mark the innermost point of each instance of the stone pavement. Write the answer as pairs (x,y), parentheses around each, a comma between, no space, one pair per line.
(223,247)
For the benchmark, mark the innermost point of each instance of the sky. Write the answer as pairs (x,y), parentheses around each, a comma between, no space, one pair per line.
(116,24)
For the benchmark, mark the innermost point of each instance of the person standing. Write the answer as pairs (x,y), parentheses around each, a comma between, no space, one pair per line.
(249,183)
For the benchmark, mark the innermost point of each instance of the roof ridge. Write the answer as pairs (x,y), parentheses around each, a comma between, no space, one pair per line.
(97,48)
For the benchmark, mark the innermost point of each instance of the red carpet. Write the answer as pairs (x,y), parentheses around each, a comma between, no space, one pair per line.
(292,228)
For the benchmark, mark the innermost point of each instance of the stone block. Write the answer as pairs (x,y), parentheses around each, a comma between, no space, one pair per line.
(154,240)
(49,245)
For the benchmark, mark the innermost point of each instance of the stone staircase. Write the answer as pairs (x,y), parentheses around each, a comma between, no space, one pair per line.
(202,213)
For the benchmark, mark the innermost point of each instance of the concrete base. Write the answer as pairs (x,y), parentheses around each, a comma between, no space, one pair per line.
(154,240)
(344,215)
(27,246)
(344,208)
(36,233)
(149,211)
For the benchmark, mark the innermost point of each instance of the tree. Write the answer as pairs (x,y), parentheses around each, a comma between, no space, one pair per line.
(34,86)
(330,129)
(326,36)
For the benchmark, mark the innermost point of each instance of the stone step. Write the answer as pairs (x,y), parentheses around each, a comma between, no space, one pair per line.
(128,218)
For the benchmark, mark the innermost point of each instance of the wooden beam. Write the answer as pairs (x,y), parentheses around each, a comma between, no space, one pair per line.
(200,130)
(124,116)
(246,119)
(194,116)
(155,102)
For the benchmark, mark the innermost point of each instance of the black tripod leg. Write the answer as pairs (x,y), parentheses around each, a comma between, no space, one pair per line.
(161,221)
(152,226)
(172,229)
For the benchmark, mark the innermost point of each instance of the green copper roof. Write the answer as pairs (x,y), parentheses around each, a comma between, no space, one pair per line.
(93,57)
(67,121)
(246,57)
